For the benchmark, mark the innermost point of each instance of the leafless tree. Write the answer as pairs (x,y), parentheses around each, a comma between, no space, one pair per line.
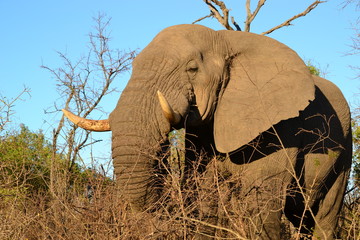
(7,107)
(82,85)
(220,11)
(349,2)
(355,39)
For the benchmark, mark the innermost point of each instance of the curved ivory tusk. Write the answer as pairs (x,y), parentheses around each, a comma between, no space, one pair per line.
(172,116)
(92,125)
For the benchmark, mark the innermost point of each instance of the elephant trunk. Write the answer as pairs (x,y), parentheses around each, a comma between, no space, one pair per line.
(136,141)
(134,172)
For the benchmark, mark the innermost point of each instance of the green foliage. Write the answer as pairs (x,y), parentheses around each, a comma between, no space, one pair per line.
(25,160)
(313,70)
(41,197)
(29,167)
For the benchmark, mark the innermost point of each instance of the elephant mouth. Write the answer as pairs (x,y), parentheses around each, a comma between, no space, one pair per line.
(194,117)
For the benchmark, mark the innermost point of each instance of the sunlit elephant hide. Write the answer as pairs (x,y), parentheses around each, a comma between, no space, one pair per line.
(249,98)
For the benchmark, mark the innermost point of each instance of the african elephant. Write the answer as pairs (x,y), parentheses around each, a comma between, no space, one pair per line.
(247,96)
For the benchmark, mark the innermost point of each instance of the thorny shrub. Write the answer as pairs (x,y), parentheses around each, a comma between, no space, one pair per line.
(85,205)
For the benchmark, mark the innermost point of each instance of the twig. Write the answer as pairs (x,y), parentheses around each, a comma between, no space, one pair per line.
(6,107)
(250,16)
(200,19)
(82,84)
(288,22)
(238,28)
(214,226)
(223,19)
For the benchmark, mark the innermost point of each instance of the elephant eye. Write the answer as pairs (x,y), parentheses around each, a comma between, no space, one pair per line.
(192,67)
(192,70)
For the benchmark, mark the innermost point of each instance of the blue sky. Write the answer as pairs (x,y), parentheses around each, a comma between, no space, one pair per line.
(32,32)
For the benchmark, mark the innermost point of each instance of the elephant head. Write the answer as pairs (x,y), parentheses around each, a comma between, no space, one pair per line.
(240,82)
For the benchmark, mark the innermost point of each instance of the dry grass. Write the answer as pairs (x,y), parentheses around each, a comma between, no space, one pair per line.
(74,212)
(204,203)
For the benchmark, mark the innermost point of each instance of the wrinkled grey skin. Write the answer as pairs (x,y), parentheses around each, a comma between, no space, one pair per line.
(251,97)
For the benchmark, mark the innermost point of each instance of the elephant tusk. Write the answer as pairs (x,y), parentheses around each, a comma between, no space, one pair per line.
(87,124)
(172,116)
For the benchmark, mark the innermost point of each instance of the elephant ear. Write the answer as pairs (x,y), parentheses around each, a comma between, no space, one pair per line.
(268,82)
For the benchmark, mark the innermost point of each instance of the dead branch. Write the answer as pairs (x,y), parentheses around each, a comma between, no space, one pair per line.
(355,45)
(200,19)
(251,15)
(238,28)
(219,10)
(7,105)
(288,22)
(224,18)
(82,84)
(348,2)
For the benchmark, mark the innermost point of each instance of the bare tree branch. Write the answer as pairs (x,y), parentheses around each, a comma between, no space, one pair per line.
(221,13)
(288,22)
(348,2)
(355,45)
(223,19)
(7,105)
(200,19)
(82,84)
(250,16)
(238,28)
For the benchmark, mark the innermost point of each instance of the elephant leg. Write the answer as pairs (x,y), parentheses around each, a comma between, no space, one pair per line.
(296,213)
(267,180)
(326,178)
(327,216)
